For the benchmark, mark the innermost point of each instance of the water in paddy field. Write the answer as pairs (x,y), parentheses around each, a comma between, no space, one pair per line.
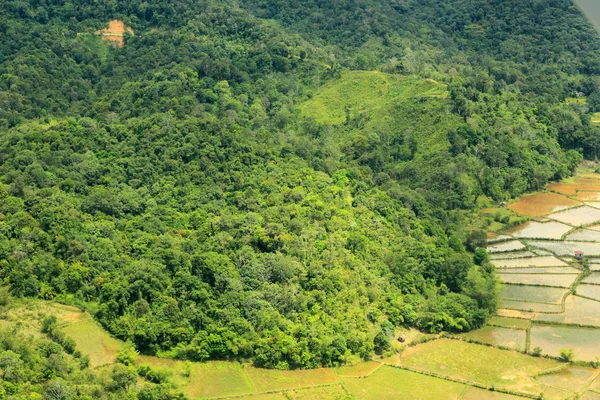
(591,8)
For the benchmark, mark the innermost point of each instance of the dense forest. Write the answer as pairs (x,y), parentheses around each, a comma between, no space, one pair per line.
(190,191)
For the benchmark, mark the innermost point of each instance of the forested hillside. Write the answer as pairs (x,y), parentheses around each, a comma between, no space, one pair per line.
(279,181)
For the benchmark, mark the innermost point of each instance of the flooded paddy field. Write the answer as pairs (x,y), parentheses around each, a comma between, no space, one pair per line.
(593,278)
(555,280)
(507,322)
(498,336)
(578,310)
(530,306)
(590,291)
(552,338)
(577,216)
(532,293)
(543,270)
(544,261)
(585,235)
(512,245)
(540,230)
(588,196)
(573,378)
(550,297)
(514,254)
(568,248)
(539,204)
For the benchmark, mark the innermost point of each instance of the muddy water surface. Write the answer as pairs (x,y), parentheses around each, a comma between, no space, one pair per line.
(538,204)
(540,230)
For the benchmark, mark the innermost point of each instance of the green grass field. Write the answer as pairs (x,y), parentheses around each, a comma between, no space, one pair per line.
(389,383)
(94,341)
(330,392)
(266,380)
(379,102)
(370,91)
(358,370)
(480,394)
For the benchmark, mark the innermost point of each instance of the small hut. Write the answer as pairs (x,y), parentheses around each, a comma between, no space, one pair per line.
(578,254)
(402,338)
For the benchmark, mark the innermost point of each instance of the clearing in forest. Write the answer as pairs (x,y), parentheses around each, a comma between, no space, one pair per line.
(115,32)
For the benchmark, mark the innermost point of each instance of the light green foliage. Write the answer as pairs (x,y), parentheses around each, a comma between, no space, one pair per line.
(127,355)
(567,355)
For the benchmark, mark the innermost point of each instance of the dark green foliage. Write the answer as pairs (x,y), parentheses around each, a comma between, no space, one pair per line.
(173,188)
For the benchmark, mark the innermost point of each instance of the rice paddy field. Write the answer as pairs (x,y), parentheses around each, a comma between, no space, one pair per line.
(524,262)
(552,338)
(550,302)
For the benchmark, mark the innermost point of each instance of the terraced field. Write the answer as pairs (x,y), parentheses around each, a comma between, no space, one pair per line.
(551,299)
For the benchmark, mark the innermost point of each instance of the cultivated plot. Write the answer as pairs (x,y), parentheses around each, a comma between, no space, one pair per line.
(593,278)
(567,248)
(507,322)
(573,188)
(517,314)
(538,204)
(588,196)
(540,230)
(94,341)
(556,280)
(591,291)
(577,216)
(474,393)
(390,383)
(533,270)
(329,392)
(498,336)
(266,380)
(513,254)
(477,363)
(589,395)
(210,379)
(544,261)
(266,396)
(584,235)
(512,245)
(585,342)
(578,310)
(499,238)
(533,294)
(530,306)
(573,378)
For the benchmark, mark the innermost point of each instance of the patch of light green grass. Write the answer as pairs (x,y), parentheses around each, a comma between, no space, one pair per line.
(266,380)
(389,383)
(94,341)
